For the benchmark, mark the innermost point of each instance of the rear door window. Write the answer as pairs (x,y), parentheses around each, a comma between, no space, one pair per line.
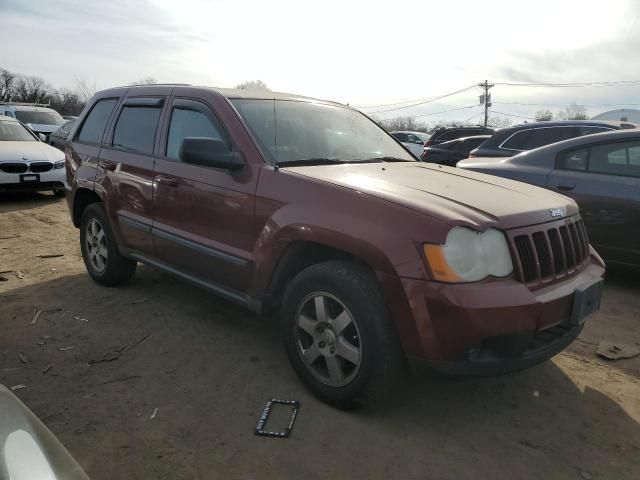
(93,127)
(546,136)
(190,119)
(574,160)
(136,128)
(616,159)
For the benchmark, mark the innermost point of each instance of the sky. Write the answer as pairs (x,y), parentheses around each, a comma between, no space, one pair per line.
(365,53)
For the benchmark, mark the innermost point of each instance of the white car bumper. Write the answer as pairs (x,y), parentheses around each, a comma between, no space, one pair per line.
(52,179)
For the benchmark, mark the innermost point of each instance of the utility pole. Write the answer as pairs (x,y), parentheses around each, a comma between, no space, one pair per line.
(485,99)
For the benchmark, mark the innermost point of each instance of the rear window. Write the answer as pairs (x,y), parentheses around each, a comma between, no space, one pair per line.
(136,128)
(539,137)
(93,127)
(39,117)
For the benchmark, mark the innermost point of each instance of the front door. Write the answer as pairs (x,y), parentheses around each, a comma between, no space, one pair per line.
(203,216)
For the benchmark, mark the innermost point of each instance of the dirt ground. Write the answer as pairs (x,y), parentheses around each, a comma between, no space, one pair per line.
(209,367)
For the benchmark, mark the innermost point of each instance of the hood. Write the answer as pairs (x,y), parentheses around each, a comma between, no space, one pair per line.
(29,450)
(32,151)
(449,194)
(42,128)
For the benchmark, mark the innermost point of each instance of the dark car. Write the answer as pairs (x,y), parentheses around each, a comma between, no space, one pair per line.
(444,134)
(59,137)
(601,172)
(310,210)
(451,152)
(520,138)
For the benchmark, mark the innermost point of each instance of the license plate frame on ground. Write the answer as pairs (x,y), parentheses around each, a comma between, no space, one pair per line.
(586,300)
(30,178)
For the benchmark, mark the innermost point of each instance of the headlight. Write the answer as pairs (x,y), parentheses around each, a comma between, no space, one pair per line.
(59,164)
(469,256)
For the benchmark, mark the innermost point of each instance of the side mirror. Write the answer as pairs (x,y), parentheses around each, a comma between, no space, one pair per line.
(209,152)
(42,137)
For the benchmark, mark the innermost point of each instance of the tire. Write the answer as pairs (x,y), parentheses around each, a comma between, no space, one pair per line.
(100,253)
(342,286)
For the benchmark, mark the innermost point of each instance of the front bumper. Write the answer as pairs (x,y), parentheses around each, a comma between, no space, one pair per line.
(496,326)
(53,179)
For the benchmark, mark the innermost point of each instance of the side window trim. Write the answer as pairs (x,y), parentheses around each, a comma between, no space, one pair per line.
(196,105)
(107,127)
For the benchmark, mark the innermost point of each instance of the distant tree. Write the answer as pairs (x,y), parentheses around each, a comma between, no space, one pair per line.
(544,116)
(31,90)
(499,122)
(252,85)
(7,84)
(145,81)
(66,101)
(402,123)
(573,112)
(84,89)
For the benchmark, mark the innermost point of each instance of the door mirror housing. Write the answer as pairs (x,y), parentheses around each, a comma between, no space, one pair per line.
(42,137)
(209,152)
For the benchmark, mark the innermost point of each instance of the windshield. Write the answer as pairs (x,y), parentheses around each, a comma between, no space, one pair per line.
(42,118)
(14,132)
(298,131)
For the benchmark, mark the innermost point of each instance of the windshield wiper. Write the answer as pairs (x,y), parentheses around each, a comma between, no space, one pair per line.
(311,161)
(388,159)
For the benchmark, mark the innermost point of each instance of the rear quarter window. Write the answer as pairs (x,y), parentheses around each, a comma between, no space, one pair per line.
(575,160)
(93,127)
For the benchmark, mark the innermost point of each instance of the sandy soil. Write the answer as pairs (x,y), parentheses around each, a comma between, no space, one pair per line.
(209,367)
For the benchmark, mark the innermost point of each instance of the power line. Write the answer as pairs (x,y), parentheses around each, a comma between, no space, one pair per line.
(443,111)
(426,101)
(568,104)
(513,115)
(616,83)
(472,117)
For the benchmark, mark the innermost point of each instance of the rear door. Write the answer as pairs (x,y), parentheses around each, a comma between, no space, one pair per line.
(125,170)
(203,215)
(605,181)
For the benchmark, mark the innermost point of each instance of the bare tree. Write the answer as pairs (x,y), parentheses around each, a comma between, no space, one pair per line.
(67,102)
(252,85)
(499,122)
(84,89)
(31,89)
(7,85)
(544,116)
(573,112)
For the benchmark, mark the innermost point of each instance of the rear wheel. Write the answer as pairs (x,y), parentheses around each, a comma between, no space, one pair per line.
(338,334)
(100,253)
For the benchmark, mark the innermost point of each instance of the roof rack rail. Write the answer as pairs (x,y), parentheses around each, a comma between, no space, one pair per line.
(159,85)
(25,104)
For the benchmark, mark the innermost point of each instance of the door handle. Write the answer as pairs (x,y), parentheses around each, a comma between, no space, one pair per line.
(566,188)
(167,180)
(107,165)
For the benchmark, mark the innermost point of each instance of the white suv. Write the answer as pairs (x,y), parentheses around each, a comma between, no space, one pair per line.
(26,163)
(38,118)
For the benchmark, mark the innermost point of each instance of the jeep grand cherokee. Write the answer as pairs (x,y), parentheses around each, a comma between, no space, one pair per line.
(308,208)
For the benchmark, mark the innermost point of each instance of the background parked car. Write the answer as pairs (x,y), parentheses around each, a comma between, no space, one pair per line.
(414,141)
(38,118)
(444,134)
(601,172)
(527,136)
(59,137)
(451,152)
(26,163)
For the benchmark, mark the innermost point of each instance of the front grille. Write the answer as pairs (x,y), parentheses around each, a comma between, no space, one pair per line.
(552,252)
(13,167)
(39,167)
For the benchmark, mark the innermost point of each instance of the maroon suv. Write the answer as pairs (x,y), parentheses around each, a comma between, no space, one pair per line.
(306,207)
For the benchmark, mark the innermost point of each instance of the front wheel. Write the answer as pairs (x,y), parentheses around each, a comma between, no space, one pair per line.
(100,253)
(338,334)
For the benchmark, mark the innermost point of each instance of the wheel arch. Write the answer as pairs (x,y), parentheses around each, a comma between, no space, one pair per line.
(82,199)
